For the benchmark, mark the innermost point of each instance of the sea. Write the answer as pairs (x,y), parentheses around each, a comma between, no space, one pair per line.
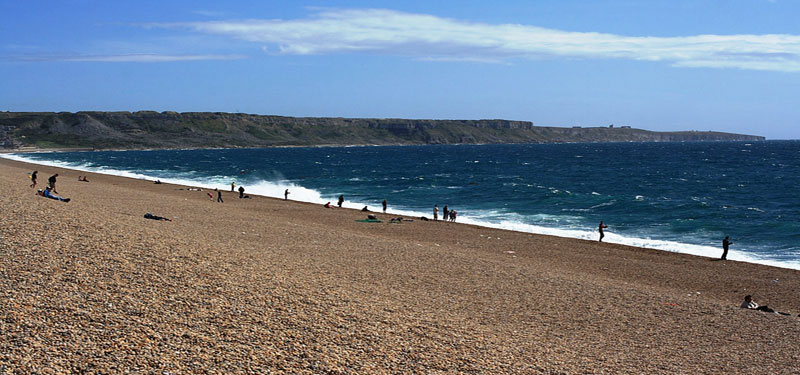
(678,197)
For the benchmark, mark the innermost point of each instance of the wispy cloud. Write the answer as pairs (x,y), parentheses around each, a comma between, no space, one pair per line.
(430,37)
(140,58)
(210,13)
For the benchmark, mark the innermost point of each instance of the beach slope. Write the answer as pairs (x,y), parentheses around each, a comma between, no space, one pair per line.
(264,285)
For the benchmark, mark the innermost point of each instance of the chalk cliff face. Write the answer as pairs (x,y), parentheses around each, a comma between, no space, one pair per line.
(147,129)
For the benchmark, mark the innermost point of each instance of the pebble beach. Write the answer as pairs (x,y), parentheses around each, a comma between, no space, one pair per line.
(267,286)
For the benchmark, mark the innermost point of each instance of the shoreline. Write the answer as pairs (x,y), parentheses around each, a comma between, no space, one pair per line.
(264,285)
(705,251)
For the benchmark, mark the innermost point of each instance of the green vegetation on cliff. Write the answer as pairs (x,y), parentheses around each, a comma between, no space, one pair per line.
(148,129)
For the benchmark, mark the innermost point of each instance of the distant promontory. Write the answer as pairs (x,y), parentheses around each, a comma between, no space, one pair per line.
(148,129)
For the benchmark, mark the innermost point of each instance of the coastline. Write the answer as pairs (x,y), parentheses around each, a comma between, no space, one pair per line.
(263,284)
(702,248)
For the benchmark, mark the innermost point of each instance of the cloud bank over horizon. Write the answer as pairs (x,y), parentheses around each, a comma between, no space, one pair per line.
(133,57)
(429,37)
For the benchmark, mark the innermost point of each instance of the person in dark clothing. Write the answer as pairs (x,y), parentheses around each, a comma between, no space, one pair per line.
(445,213)
(154,217)
(600,228)
(52,182)
(384,205)
(726,242)
(341,200)
(241,192)
(219,196)
(33,178)
(286,195)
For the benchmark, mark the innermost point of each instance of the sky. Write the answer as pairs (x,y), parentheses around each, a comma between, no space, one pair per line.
(721,65)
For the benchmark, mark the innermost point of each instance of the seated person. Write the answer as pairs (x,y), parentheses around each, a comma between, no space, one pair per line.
(154,217)
(365,209)
(748,303)
(47,193)
(328,205)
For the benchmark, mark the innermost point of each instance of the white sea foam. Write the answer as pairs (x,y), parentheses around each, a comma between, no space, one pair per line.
(491,219)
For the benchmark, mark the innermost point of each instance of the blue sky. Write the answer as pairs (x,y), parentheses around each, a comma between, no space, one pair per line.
(729,65)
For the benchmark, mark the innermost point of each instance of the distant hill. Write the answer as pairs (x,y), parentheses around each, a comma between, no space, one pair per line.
(147,129)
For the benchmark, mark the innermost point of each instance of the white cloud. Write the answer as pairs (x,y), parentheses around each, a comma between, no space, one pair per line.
(210,13)
(132,58)
(430,37)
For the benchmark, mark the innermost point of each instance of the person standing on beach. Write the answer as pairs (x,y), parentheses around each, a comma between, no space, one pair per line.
(600,228)
(384,205)
(445,213)
(341,200)
(435,212)
(33,179)
(241,192)
(233,185)
(52,182)
(286,195)
(219,196)
(725,243)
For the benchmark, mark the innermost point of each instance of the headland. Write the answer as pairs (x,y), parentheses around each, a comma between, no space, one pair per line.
(149,129)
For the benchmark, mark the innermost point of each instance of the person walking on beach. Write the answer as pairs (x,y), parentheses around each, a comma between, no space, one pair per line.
(219,196)
(241,192)
(453,214)
(341,200)
(725,243)
(33,179)
(286,195)
(384,205)
(52,182)
(435,212)
(600,228)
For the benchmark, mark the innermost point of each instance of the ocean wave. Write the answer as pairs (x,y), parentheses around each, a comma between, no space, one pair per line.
(604,204)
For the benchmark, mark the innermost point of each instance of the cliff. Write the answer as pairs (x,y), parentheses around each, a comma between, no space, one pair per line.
(148,129)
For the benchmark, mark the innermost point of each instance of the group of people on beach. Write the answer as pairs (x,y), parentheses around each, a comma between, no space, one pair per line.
(50,190)
(447,215)
(219,193)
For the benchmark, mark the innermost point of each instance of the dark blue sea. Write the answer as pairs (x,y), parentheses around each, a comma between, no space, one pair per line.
(680,197)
